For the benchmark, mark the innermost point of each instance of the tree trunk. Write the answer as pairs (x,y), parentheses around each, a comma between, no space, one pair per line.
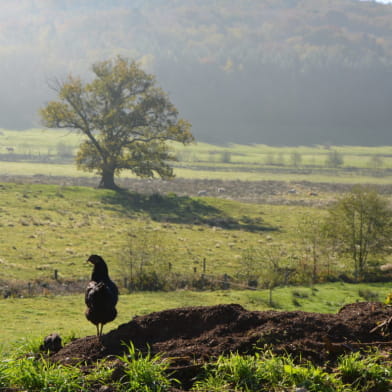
(107,180)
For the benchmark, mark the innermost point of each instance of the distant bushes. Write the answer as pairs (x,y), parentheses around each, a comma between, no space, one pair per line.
(368,295)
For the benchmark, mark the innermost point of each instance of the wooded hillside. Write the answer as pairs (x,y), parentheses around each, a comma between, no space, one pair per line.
(271,71)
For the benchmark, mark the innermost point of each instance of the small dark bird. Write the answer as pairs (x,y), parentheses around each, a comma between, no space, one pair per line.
(101,295)
(52,343)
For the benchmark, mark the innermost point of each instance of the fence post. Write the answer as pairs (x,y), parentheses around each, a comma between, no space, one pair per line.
(226,284)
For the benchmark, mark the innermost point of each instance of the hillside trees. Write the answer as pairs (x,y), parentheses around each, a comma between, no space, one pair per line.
(360,224)
(125,117)
(274,270)
(334,159)
(311,239)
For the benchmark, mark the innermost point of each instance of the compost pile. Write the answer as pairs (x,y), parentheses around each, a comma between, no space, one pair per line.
(194,335)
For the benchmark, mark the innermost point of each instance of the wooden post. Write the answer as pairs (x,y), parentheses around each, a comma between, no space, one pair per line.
(226,284)
(204,265)
(55,274)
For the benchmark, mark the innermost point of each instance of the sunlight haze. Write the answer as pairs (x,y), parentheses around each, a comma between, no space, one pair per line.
(277,72)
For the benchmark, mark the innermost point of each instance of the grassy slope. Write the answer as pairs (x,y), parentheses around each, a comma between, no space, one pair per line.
(48,227)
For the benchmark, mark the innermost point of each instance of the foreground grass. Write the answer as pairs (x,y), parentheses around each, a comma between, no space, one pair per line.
(267,372)
(40,316)
(261,372)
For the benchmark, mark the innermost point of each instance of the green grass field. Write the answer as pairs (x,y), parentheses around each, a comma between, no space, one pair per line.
(205,161)
(37,141)
(49,227)
(34,318)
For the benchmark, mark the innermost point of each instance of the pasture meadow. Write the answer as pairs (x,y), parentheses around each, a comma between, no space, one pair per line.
(50,152)
(48,231)
(26,319)
(49,227)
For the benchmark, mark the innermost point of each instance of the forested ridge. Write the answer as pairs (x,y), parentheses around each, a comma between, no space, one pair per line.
(271,71)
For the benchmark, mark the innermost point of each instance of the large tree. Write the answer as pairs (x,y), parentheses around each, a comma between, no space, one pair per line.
(126,118)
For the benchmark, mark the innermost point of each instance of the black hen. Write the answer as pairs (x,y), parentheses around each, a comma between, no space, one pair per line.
(101,295)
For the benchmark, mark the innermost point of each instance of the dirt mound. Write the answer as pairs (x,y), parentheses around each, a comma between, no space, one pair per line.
(194,335)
